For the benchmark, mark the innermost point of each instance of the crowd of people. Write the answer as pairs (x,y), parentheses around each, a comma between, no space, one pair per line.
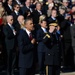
(37,36)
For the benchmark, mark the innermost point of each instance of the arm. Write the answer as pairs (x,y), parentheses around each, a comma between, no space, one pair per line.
(39,36)
(7,33)
(25,48)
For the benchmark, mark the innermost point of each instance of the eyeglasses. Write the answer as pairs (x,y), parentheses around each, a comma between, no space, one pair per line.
(17,7)
(3,11)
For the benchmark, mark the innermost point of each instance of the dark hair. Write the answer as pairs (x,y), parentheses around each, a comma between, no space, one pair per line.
(28,19)
(43,20)
(16,5)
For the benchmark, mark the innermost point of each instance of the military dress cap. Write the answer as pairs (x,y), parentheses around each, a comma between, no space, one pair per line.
(53,24)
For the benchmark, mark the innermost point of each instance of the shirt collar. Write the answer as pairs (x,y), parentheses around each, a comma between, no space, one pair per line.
(53,18)
(44,29)
(18,1)
(10,6)
(28,32)
(16,12)
(9,24)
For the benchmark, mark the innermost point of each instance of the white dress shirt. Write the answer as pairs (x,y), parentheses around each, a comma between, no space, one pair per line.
(12,28)
(10,6)
(44,29)
(16,12)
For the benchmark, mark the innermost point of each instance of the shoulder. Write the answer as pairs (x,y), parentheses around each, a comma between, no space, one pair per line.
(21,31)
(6,26)
(39,30)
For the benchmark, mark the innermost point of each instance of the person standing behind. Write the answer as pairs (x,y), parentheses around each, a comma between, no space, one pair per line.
(53,16)
(16,12)
(10,34)
(8,6)
(41,47)
(26,43)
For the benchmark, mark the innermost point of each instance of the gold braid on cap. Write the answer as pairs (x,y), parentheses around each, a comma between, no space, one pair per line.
(53,24)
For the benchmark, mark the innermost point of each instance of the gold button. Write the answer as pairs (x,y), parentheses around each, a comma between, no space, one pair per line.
(49,54)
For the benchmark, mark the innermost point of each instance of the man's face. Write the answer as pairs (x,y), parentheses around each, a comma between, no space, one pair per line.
(65,4)
(17,7)
(44,24)
(38,6)
(28,3)
(10,2)
(54,13)
(52,28)
(10,20)
(29,25)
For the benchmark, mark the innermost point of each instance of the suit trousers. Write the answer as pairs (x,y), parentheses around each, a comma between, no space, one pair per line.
(74,55)
(53,70)
(22,71)
(11,58)
(41,65)
(26,71)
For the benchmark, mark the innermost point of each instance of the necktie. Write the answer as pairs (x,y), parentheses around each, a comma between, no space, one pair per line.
(30,36)
(12,27)
(45,31)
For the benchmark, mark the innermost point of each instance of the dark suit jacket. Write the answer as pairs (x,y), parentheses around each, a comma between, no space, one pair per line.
(15,2)
(36,16)
(8,10)
(17,27)
(50,20)
(73,35)
(65,27)
(24,9)
(40,35)
(15,16)
(26,49)
(9,37)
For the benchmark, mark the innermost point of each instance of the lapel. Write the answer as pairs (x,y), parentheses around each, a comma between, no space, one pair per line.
(26,36)
(42,31)
(9,28)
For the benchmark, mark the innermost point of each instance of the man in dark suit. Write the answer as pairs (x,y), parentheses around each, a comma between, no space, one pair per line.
(27,7)
(18,2)
(73,41)
(9,7)
(10,34)
(20,21)
(26,44)
(41,47)
(16,12)
(38,12)
(67,40)
(52,54)
(53,16)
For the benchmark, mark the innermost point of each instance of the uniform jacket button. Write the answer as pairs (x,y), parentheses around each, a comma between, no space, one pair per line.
(49,54)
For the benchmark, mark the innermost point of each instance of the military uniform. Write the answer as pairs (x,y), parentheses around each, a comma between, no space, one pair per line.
(52,54)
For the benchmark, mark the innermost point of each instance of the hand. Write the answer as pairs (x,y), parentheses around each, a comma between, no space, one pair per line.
(21,5)
(33,41)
